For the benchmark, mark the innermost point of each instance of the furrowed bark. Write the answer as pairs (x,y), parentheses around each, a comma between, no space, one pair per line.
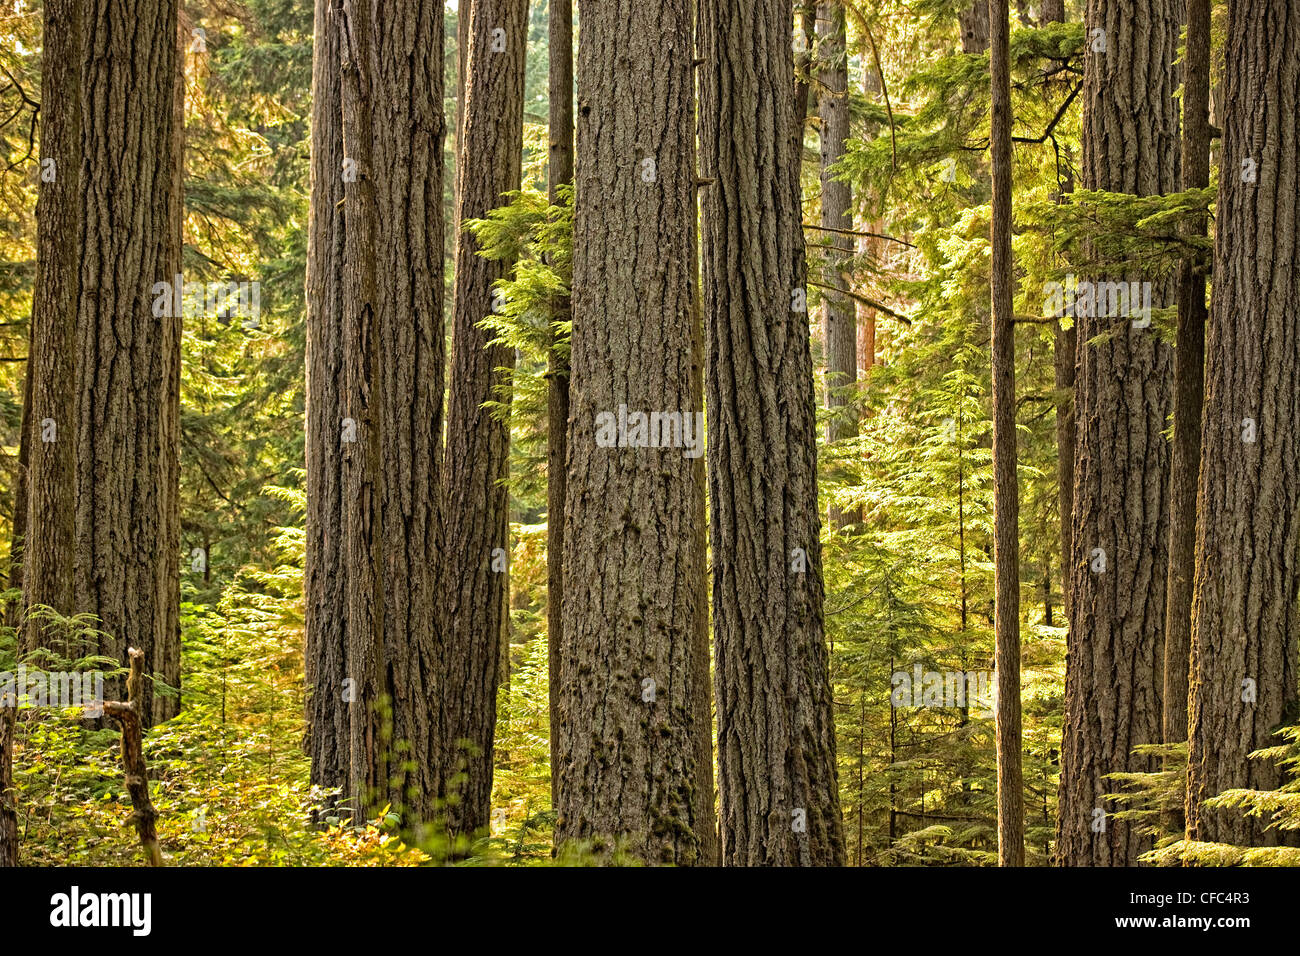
(1245,622)
(776,746)
(1120,540)
(631,546)
(478,443)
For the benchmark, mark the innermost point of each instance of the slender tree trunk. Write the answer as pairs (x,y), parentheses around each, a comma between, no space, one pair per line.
(1189,382)
(839,316)
(463,11)
(1245,621)
(631,547)
(326,571)
(1006,491)
(1064,354)
(560,173)
(8,796)
(1115,658)
(702,692)
(51,478)
(168,655)
(478,443)
(776,743)
(127,329)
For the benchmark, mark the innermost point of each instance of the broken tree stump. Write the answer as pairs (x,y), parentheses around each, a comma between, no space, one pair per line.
(137,774)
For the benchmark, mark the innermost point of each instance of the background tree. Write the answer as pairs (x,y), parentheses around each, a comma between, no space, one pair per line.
(839,315)
(1006,492)
(1189,381)
(559,173)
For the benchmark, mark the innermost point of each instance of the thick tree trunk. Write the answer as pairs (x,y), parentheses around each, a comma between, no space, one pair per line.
(1189,382)
(326,572)
(49,538)
(1245,624)
(1114,666)
(1006,492)
(776,743)
(126,350)
(839,316)
(560,173)
(478,443)
(631,549)
(392,343)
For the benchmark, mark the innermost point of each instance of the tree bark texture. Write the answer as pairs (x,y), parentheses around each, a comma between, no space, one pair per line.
(1245,625)
(631,547)
(776,746)
(1120,540)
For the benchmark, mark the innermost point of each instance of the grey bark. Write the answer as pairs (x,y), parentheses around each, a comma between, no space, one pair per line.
(631,557)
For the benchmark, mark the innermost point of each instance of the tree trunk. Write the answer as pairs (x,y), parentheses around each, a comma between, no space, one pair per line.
(478,443)
(1006,493)
(631,548)
(560,173)
(1245,624)
(1114,663)
(128,330)
(1064,354)
(50,530)
(974,23)
(776,743)
(392,345)
(168,655)
(1189,382)
(8,796)
(326,572)
(701,650)
(370,724)
(807,13)
(839,316)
